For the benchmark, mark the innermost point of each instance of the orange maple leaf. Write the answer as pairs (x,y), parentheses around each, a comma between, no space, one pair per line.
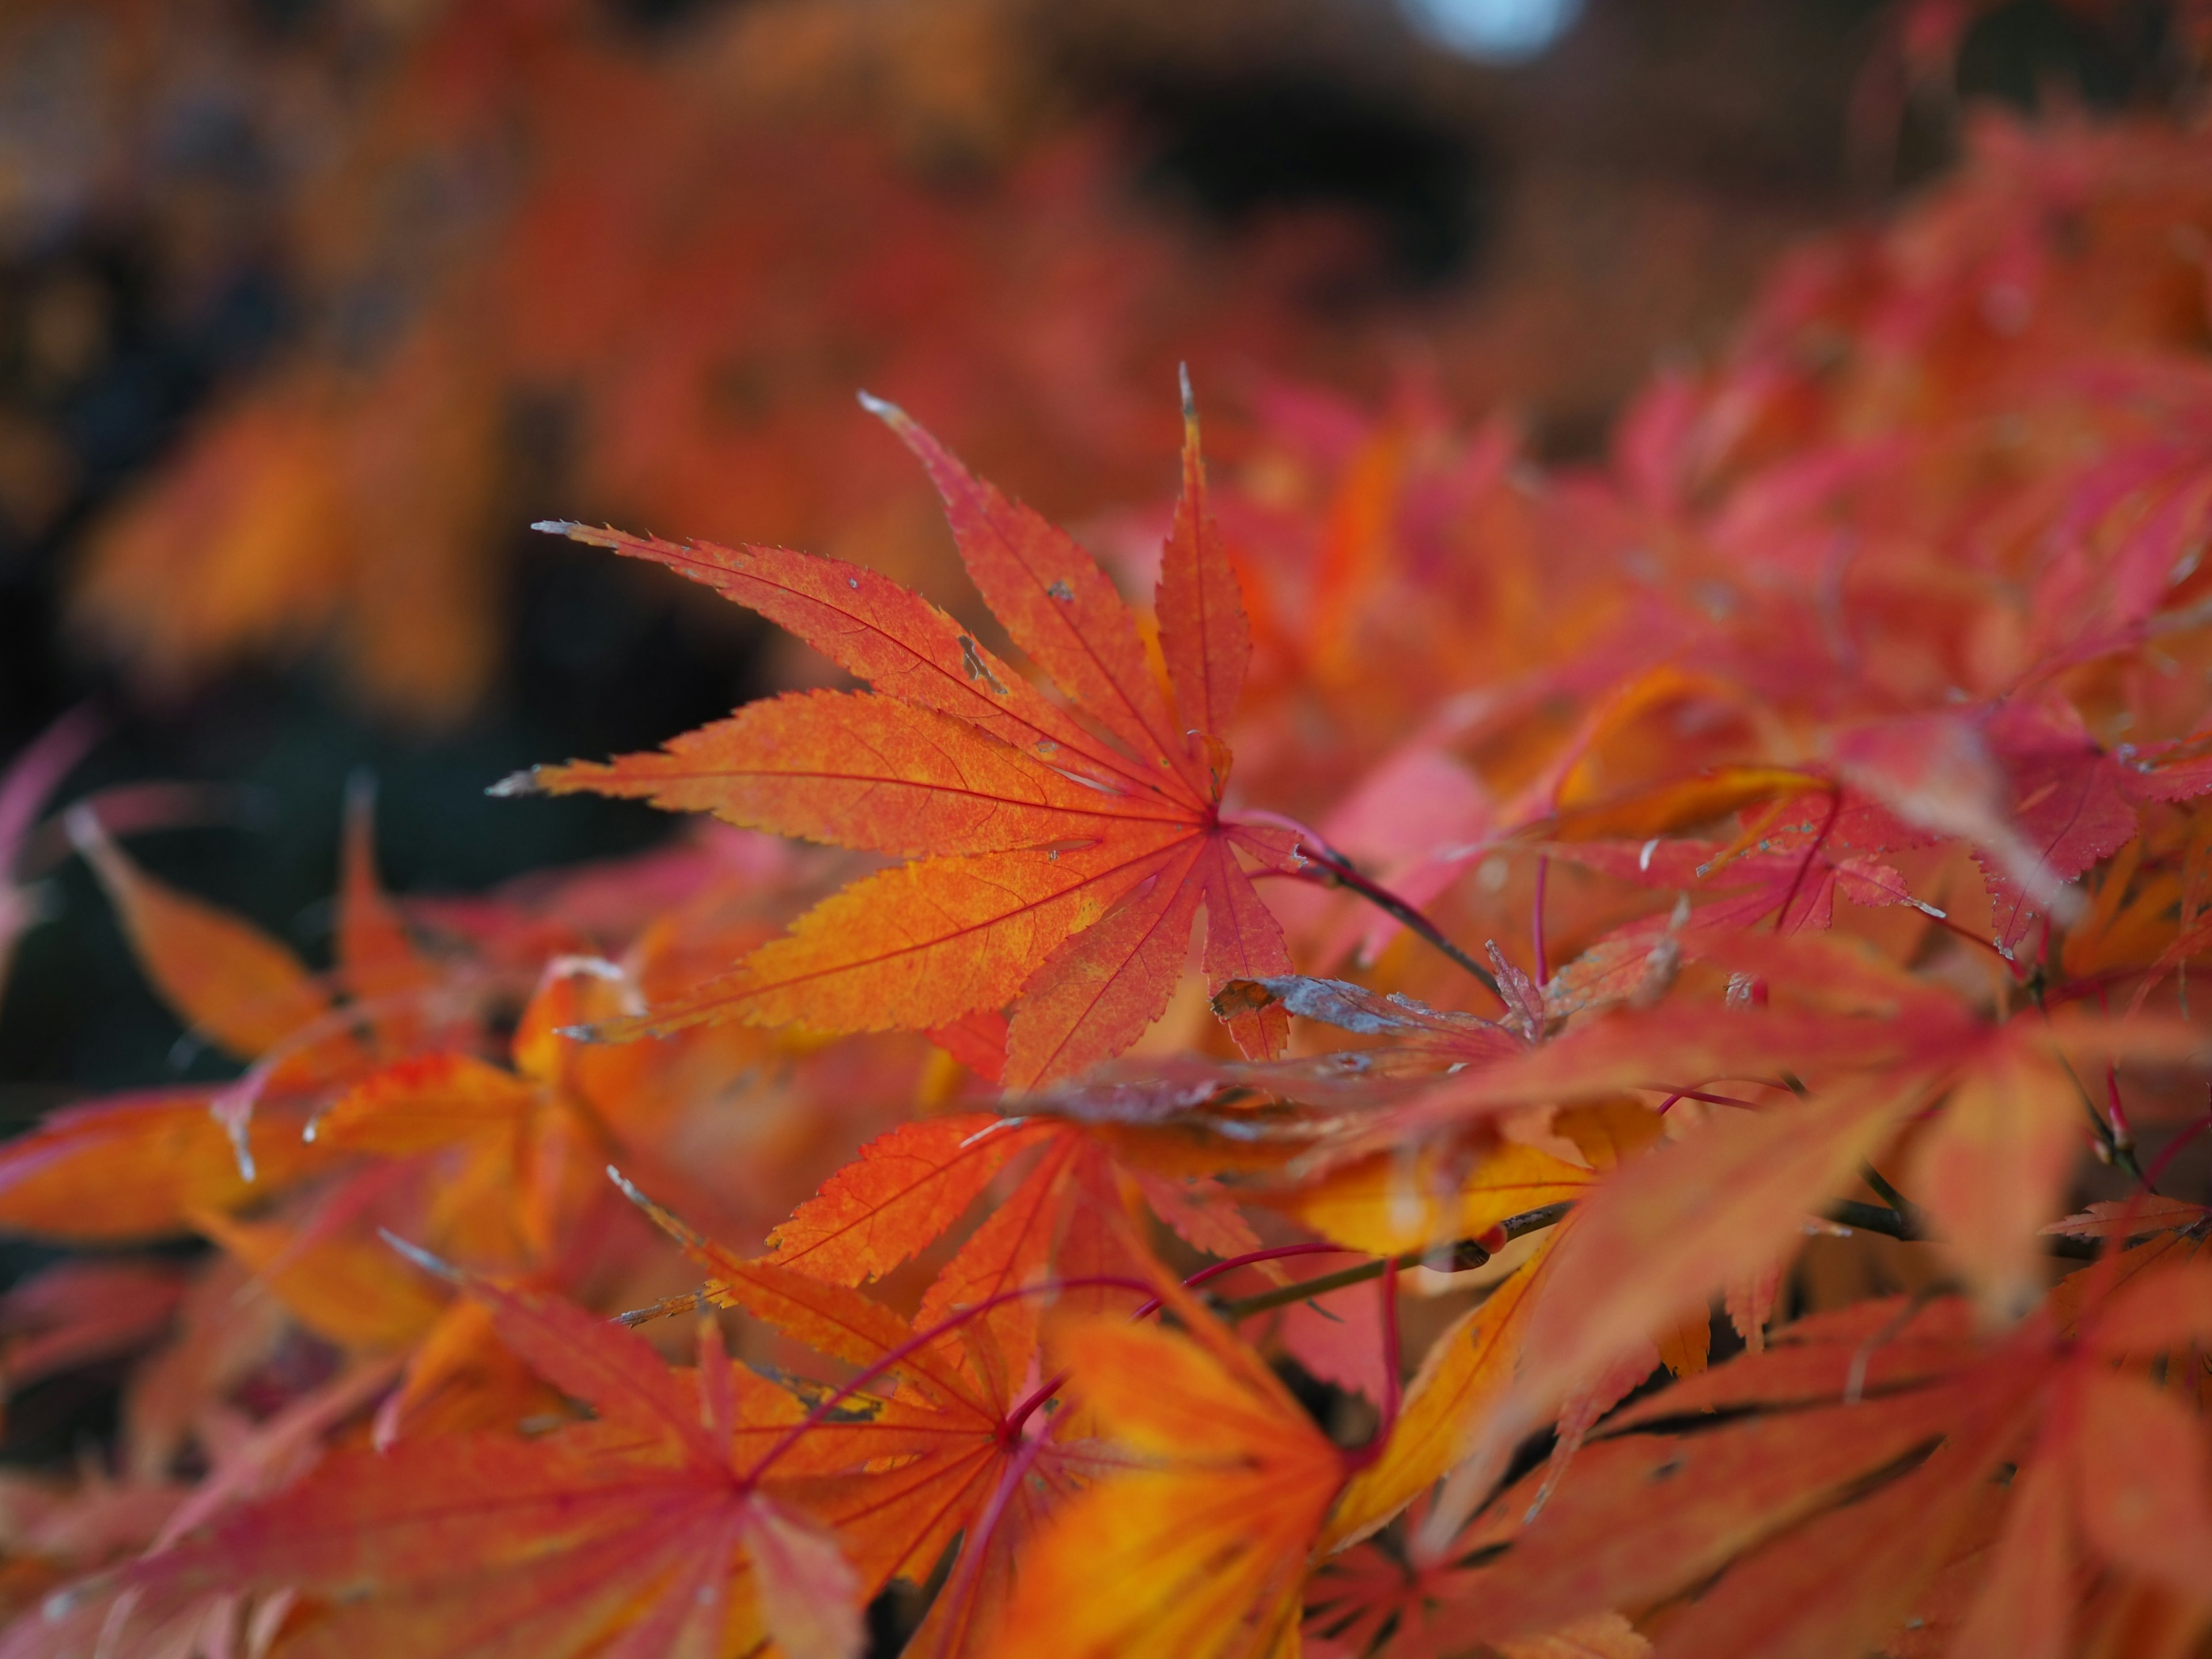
(644,1528)
(1053,867)
(145,1163)
(966,1450)
(1200,1551)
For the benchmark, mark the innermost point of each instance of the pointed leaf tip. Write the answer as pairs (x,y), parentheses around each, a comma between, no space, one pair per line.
(627,1188)
(881,408)
(557,527)
(663,1218)
(86,832)
(436,1266)
(524,782)
(1190,401)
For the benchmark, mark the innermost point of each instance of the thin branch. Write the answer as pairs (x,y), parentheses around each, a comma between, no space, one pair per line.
(1010,1430)
(2166,1156)
(1891,1224)
(1458,1257)
(1326,872)
(1874,1219)
(1393,1357)
(1889,1194)
(1674,1095)
(1466,1253)
(1277,1253)
(2123,1135)
(2108,1140)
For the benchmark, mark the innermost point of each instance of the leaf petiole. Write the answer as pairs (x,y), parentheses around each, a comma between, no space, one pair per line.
(1326,871)
(1458,1257)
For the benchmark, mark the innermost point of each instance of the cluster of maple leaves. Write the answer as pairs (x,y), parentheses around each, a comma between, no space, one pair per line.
(473,261)
(1616,973)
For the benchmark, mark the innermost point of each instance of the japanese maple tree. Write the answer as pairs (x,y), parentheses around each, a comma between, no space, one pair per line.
(1593,1063)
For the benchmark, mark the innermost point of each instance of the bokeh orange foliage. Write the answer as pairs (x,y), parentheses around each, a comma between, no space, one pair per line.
(657,311)
(1681,933)
(692,255)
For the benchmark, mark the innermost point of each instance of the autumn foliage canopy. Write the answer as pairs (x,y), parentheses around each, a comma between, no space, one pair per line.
(1445,1058)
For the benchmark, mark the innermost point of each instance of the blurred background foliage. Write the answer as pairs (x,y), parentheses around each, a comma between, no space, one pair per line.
(309,307)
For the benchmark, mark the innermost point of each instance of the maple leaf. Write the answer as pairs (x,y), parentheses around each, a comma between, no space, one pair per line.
(1061,871)
(967,1448)
(157,1159)
(907,1189)
(640,1527)
(1874,599)
(141,1166)
(1201,1550)
(521,1150)
(2070,801)
(233,984)
(1750,1479)
(383,974)
(1467,1369)
(2120,1469)
(1658,1237)
(1944,773)
(1792,877)
(1854,1030)
(347,1288)
(1374,1602)
(1802,1535)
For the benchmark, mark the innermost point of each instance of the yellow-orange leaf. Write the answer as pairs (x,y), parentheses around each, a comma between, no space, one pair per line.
(141,1166)
(1201,1554)
(1668,1230)
(227,979)
(352,1290)
(1389,1204)
(1467,1368)
(421,1104)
